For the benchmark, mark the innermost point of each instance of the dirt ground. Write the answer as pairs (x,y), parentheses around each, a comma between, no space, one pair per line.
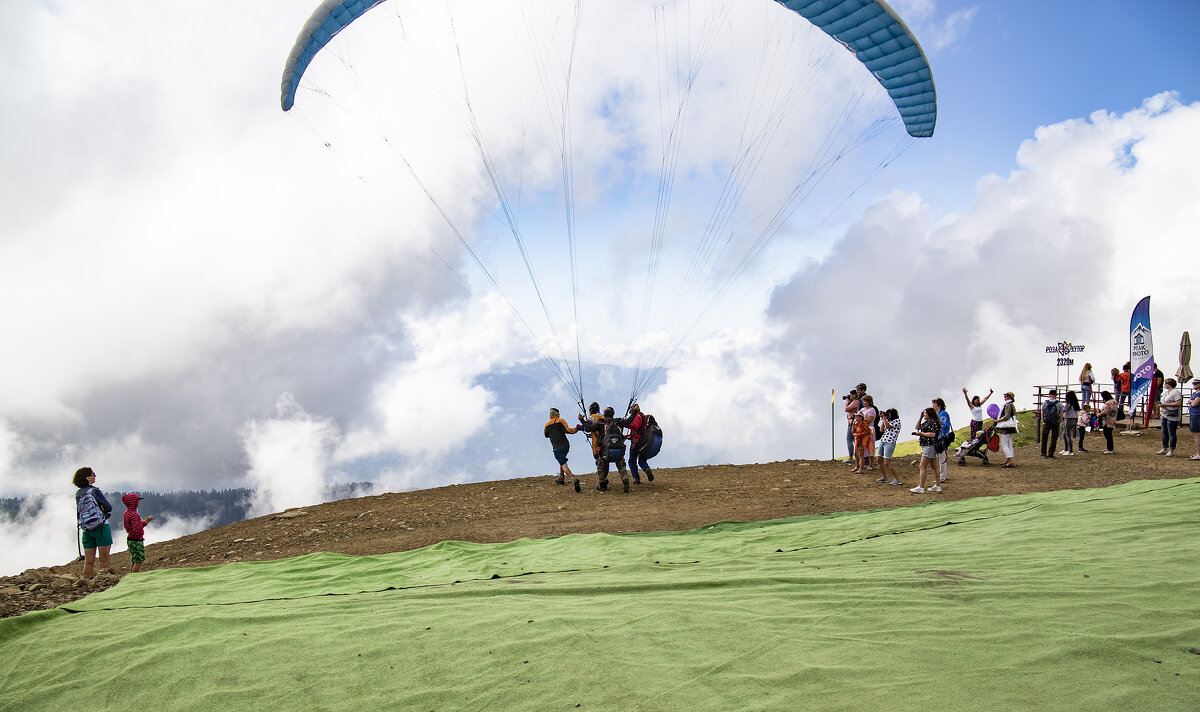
(678,499)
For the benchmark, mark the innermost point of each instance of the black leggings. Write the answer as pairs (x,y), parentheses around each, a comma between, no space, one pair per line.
(1108,438)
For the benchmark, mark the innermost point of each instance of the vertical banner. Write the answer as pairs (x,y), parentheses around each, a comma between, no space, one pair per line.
(1141,351)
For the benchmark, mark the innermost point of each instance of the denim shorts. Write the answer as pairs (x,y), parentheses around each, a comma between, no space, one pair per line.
(886,450)
(560,454)
(929,451)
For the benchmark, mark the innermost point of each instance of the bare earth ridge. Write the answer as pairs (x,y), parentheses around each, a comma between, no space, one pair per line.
(678,499)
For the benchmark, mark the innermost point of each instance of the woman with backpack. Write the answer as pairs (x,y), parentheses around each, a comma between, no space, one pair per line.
(91,507)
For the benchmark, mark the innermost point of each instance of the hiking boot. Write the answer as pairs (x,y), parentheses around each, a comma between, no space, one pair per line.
(558,480)
(576,482)
(637,480)
(625,484)
(649,476)
(603,486)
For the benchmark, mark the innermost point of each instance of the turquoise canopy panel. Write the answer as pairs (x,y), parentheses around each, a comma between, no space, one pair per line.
(869,28)
(879,38)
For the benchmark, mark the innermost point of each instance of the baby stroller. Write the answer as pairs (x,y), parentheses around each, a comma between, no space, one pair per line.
(979,446)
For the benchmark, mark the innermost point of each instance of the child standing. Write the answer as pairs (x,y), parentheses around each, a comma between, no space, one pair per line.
(1085,418)
(135,533)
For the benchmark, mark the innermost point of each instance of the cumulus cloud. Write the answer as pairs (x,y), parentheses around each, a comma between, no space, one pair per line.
(288,456)
(919,304)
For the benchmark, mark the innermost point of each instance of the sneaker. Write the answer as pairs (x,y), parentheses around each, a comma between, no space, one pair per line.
(1068,453)
(935,488)
(917,490)
(1170,453)
(1064,452)
(882,480)
(897,483)
(1108,452)
(1161,452)
(577,489)
(1042,455)
(1082,450)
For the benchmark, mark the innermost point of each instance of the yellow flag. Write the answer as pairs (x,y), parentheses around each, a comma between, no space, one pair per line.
(832,395)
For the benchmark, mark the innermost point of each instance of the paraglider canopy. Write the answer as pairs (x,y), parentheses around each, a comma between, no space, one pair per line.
(870,29)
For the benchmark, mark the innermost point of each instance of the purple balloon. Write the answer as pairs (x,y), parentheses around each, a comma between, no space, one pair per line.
(993,410)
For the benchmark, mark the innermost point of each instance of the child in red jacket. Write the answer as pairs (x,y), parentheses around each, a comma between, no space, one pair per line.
(135,535)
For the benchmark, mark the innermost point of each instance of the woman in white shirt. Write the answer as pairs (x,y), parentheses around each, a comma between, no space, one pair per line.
(1170,411)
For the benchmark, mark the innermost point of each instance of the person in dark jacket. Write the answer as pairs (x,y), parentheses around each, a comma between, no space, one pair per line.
(612,446)
(637,439)
(98,541)
(557,429)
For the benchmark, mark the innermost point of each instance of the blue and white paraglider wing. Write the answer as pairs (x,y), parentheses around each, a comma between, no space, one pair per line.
(879,38)
(870,29)
(327,20)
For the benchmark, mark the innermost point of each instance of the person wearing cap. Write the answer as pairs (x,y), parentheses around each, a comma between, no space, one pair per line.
(1007,411)
(135,533)
(557,429)
(1170,414)
(1194,416)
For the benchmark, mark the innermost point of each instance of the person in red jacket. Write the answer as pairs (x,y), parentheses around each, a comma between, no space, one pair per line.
(135,534)
(637,431)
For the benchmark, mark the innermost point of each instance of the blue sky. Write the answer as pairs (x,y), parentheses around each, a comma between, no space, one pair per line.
(1024,64)
(198,292)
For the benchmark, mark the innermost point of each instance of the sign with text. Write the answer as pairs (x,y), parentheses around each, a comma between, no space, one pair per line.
(1064,349)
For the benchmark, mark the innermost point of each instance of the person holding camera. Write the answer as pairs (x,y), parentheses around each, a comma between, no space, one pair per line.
(853,403)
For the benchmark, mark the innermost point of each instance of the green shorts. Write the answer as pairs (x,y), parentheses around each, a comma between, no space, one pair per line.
(101,536)
(137,550)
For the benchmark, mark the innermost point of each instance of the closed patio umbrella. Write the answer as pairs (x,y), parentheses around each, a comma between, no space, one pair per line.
(1184,374)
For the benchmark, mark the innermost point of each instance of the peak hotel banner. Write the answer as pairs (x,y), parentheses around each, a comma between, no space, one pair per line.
(1141,350)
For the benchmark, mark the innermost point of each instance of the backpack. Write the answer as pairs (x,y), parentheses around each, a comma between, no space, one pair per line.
(1050,411)
(91,517)
(613,438)
(652,429)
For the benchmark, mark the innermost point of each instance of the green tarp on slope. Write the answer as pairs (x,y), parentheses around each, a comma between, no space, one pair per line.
(1056,601)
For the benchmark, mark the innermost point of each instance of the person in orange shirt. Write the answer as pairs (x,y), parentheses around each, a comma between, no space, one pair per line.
(557,429)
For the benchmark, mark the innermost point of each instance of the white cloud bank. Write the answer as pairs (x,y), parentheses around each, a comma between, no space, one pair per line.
(919,304)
